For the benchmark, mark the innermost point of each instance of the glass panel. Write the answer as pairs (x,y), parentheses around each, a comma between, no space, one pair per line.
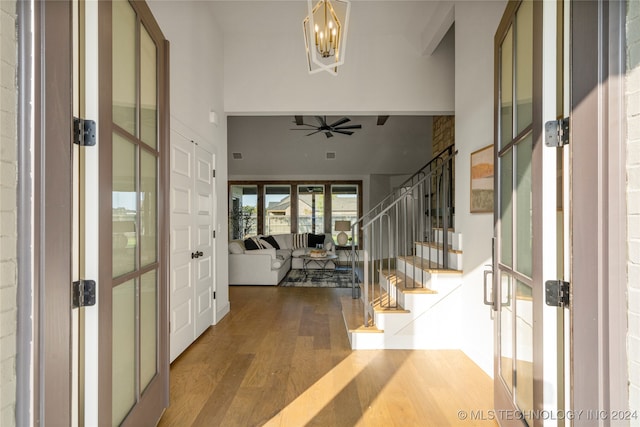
(524,223)
(311,209)
(124,66)
(506,331)
(243,211)
(124,350)
(148,89)
(506,208)
(148,328)
(344,207)
(506,89)
(277,209)
(524,347)
(124,206)
(524,65)
(148,208)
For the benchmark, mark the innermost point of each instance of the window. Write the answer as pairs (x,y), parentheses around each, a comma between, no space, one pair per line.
(311,209)
(243,211)
(281,207)
(277,209)
(344,207)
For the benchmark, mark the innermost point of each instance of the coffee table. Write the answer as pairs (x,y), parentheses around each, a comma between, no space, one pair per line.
(319,261)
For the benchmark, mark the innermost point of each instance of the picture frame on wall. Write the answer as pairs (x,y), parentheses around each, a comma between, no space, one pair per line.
(482,180)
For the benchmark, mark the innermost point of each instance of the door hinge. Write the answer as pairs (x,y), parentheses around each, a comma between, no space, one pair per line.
(214,294)
(556,132)
(213,234)
(84,293)
(213,173)
(84,132)
(557,293)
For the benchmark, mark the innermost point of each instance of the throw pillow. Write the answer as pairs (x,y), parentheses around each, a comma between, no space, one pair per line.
(252,243)
(315,240)
(300,240)
(236,248)
(265,244)
(272,241)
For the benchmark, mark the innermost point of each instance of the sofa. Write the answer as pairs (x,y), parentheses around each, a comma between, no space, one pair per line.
(266,260)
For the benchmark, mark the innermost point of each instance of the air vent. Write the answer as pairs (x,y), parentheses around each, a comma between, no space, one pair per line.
(237,156)
(331,155)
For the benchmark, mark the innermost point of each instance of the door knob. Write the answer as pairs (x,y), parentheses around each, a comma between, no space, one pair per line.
(196,254)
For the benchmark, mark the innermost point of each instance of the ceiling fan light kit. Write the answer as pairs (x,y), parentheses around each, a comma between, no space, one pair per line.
(329,129)
(325,34)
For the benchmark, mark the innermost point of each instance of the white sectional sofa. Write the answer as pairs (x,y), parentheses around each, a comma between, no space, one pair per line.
(268,266)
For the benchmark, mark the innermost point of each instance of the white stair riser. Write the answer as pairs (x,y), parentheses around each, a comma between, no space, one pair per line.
(435,327)
(435,281)
(454,239)
(455,259)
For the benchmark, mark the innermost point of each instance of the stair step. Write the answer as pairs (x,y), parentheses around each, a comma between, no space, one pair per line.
(439,246)
(386,310)
(352,313)
(401,282)
(435,269)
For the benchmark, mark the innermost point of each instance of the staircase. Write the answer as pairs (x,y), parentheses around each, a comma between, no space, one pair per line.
(410,278)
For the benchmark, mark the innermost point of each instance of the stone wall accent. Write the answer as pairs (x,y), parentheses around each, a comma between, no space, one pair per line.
(444,132)
(8,210)
(633,200)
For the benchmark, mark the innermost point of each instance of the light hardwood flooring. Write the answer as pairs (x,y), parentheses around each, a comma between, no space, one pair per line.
(281,357)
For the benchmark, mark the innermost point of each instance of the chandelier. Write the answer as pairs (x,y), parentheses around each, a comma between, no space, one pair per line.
(325,34)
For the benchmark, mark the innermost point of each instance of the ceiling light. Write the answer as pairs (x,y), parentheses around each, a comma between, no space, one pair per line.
(325,34)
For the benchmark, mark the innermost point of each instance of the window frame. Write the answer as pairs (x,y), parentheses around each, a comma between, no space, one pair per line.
(294,199)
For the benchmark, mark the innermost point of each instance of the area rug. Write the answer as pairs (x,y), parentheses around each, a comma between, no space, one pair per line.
(318,279)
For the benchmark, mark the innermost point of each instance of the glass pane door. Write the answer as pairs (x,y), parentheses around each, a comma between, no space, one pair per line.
(514,323)
(135,198)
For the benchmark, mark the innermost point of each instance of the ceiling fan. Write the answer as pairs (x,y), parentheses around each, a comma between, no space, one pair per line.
(328,129)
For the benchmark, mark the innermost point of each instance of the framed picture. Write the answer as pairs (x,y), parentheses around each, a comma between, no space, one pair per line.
(482,180)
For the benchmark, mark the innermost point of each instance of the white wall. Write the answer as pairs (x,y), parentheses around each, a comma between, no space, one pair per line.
(475,25)
(197,88)
(383,72)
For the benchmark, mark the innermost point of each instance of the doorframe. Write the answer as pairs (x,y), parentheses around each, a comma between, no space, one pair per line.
(52,211)
(598,207)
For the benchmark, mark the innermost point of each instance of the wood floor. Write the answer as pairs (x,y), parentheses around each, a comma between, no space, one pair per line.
(281,357)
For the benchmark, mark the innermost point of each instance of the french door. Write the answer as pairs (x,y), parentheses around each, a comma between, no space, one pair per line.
(133,258)
(530,216)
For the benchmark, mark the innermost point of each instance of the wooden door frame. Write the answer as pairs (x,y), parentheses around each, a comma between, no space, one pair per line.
(598,206)
(52,211)
(153,396)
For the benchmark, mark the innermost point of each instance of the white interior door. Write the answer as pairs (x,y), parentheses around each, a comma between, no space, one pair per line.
(181,287)
(205,262)
(192,249)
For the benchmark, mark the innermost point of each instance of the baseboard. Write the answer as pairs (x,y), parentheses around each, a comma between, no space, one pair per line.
(223,311)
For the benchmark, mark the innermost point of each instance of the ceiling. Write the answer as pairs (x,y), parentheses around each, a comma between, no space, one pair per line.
(268,146)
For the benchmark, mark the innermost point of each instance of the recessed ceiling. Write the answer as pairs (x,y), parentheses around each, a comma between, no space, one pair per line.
(269,148)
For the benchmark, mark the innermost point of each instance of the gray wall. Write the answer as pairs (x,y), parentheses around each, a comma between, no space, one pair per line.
(633,200)
(8,211)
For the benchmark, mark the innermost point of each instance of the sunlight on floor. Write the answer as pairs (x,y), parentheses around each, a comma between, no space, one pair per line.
(306,406)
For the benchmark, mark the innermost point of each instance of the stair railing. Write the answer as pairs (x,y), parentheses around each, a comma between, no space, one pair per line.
(407,219)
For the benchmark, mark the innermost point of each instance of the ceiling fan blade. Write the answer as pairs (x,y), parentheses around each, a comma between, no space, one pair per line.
(345,132)
(307,129)
(321,121)
(340,122)
(349,127)
(298,120)
(329,134)
(313,133)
